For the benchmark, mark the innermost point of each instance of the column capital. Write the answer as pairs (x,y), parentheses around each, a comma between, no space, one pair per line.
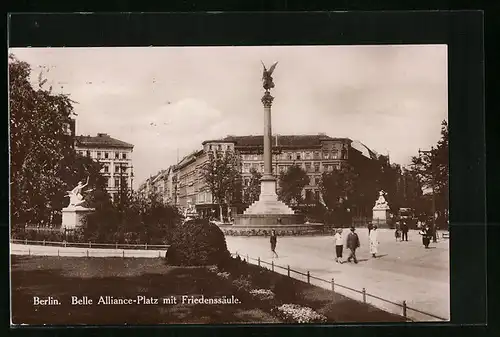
(267,99)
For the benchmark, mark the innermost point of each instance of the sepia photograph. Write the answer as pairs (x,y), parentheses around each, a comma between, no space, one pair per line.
(229,184)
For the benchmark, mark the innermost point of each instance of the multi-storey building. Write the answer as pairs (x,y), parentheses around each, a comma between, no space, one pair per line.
(114,154)
(313,153)
(160,184)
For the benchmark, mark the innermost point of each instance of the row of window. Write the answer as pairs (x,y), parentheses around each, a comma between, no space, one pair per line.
(104,154)
(308,167)
(219,147)
(334,154)
(116,182)
(118,168)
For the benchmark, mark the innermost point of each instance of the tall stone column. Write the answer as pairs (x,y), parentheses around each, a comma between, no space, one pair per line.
(267,100)
(268,181)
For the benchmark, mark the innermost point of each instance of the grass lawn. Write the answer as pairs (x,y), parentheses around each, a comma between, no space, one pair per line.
(61,278)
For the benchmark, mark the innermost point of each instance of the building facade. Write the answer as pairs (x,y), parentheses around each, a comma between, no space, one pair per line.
(315,154)
(115,156)
(160,184)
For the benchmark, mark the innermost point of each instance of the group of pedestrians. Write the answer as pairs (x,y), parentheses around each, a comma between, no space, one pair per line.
(353,243)
(401,231)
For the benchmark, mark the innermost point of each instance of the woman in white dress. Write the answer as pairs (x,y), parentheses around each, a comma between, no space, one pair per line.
(374,241)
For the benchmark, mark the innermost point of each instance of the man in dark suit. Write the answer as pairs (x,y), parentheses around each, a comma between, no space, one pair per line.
(352,245)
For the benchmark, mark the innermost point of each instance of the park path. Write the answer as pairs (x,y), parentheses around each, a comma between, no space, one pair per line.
(404,270)
(39,250)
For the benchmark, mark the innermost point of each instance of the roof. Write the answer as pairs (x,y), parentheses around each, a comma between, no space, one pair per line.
(365,150)
(102,140)
(282,140)
(188,159)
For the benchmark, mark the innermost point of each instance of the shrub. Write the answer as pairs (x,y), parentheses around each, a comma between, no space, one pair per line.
(294,313)
(242,284)
(198,243)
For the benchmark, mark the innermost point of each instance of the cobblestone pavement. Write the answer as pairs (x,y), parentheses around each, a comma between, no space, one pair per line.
(403,271)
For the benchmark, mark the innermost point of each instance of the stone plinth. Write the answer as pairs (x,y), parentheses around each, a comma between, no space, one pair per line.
(72,217)
(381,216)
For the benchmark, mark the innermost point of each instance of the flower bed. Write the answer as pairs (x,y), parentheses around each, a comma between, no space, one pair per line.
(262,294)
(294,313)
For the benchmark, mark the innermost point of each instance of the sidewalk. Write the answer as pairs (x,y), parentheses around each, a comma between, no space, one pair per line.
(20,249)
(404,270)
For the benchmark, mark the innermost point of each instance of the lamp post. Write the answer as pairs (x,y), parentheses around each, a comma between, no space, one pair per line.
(429,152)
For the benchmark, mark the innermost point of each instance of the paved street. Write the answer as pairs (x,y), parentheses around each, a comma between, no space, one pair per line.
(404,270)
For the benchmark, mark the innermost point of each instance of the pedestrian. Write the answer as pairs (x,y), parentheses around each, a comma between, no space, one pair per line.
(273,240)
(397,231)
(374,241)
(352,245)
(426,236)
(370,227)
(339,245)
(405,231)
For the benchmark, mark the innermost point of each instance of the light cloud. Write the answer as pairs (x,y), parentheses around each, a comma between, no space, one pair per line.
(168,100)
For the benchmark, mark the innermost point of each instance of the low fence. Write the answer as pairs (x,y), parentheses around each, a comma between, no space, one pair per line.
(91,244)
(404,308)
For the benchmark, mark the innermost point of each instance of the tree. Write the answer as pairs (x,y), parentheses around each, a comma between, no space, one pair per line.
(251,192)
(221,175)
(291,183)
(432,168)
(43,162)
(338,190)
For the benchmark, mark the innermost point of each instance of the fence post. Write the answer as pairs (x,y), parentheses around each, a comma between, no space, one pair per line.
(146,246)
(29,251)
(90,244)
(44,242)
(64,243)
(123,253)
(87,253)
(272,265)
(364,295)
(116,245)
(58,253)
(25,241)
(308,277)
(333,285)
(159,254)
(404,309)
(258,260)
(288,270)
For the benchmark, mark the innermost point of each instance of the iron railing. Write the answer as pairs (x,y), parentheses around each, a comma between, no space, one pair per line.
(402,305)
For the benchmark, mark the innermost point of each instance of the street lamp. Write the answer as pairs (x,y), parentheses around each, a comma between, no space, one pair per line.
(434,238)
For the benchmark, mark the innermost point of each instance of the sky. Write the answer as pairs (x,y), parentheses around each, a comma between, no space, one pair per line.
(167,100)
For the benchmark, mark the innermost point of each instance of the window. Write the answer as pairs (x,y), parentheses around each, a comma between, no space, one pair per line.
(261,167)
(308,195)
(117,169)
(308,155)
(210,147)
(98,154)
(326,155)
(298,156)
(308,167)
(246,167)
(219,147)
(124,156)
(317,155)
(106,168)
(247,181)
(106,155)
(316,195)
(316,167)
(106,183)
(88,153)
(313,181)
(117,155)
(117,182)
(335,154)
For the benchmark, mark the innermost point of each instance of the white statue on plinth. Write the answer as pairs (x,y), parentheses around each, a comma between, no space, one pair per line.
(381,203)
(75,195)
